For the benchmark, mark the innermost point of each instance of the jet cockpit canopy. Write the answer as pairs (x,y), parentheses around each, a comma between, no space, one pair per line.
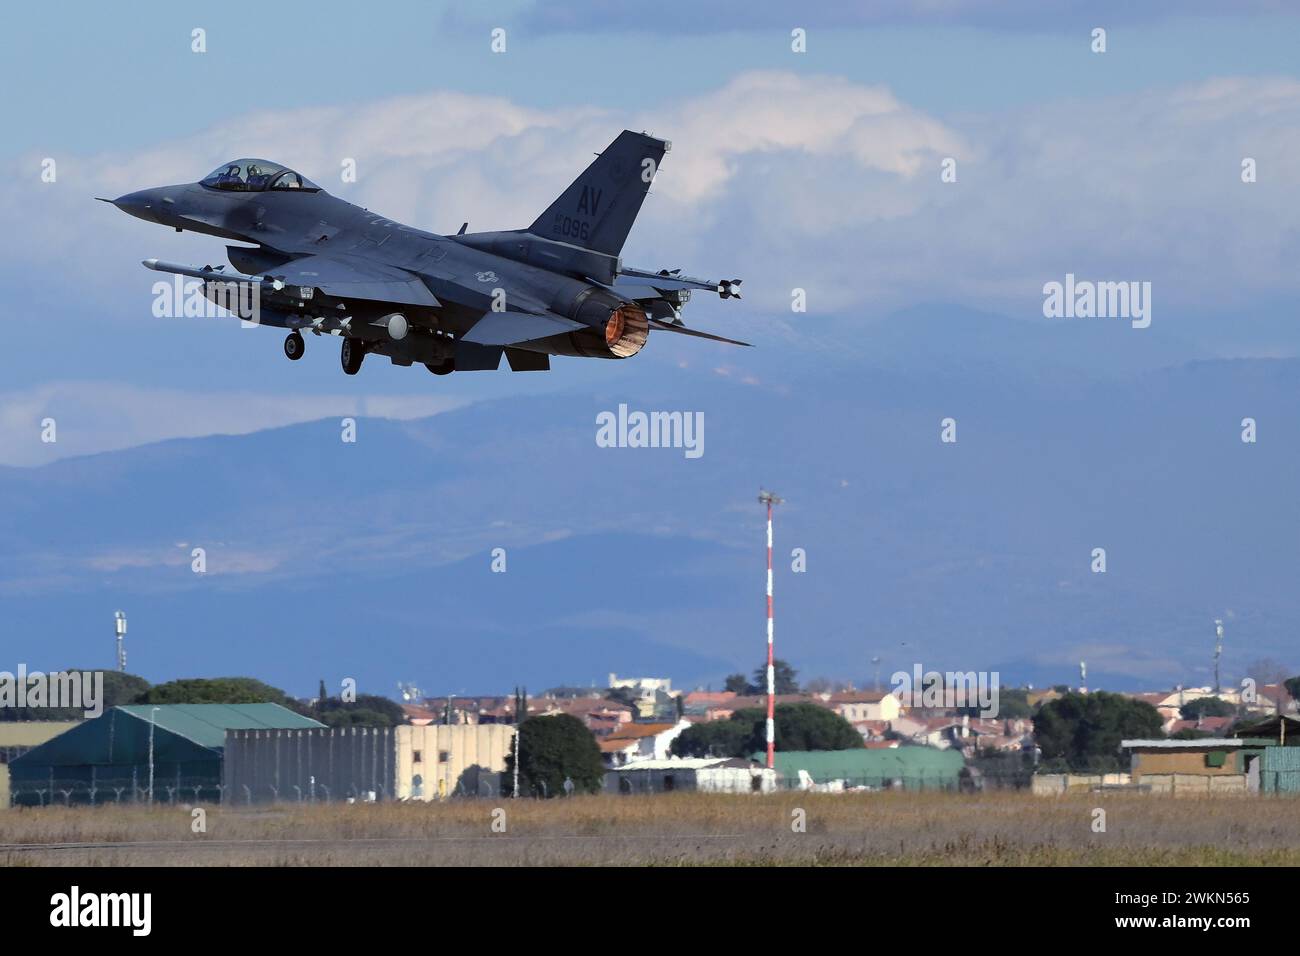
(255,175)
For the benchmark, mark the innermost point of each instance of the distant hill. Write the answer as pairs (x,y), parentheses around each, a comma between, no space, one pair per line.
(372,560)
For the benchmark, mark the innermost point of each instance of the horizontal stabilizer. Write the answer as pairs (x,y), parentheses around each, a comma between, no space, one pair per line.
(666,327)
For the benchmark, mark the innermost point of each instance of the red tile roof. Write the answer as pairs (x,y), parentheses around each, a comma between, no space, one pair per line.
(634,731)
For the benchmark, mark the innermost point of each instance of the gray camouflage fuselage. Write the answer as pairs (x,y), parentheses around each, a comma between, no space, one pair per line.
(322,264)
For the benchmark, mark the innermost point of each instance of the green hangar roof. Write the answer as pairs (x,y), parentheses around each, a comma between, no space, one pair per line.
(206,724)
(182,732)
(919,767)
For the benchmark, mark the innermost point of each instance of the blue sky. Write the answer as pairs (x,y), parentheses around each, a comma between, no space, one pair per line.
(94,79)
(815,170)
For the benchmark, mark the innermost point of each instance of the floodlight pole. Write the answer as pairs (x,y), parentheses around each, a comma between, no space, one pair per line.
(514,793)
(769,499)
(1218,652)
(152,723)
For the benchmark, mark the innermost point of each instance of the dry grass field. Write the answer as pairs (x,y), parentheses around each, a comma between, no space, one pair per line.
(683,829)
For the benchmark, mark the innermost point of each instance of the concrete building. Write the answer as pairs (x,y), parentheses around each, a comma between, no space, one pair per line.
(1200,766)
(1205,755)
(703,774)
(642,685)
(19,736)
(440,760)
(425,762)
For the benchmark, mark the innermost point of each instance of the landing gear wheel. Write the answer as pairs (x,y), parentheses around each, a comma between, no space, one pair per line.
(445,367)
(294,346)
(351,354)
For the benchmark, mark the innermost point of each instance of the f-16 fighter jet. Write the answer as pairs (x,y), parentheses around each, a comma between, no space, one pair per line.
(318,264)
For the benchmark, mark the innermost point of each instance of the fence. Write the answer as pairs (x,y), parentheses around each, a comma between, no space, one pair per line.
(98,791)
(1279,770)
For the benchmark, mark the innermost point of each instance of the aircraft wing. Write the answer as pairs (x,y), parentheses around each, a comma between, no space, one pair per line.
(347,277)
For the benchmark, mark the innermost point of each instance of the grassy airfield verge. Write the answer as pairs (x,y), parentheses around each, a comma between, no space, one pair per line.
(677,829)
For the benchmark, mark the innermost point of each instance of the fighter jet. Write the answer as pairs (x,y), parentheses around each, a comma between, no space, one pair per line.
(316,263)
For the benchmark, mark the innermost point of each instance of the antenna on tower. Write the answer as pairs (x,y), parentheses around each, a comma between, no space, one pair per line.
(119,620)
(1218,652)
(1083,677)
(875,662)
(769,499)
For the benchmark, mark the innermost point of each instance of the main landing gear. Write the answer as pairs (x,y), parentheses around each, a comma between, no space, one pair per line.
(351,355)
(294,346)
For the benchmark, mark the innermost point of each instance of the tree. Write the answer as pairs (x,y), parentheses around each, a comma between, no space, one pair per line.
(1205,707)
(119,690)
(783,678)
(1292,685)
(797,727)
(1011,702)
(801,727)
(122,689)
(1084,731)
(552,749)
(736,683)
(368,710)
(217,690)
(714,738)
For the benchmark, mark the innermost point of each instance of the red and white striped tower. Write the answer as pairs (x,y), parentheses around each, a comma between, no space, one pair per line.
(769,499)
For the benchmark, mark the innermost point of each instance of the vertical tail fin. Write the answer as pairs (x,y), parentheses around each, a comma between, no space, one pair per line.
(598,209)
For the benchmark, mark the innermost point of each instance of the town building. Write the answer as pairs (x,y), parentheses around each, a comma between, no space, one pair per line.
(858,705)
(640,741)
(703,774)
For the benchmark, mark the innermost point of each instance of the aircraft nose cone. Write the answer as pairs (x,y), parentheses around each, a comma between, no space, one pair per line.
(142,204)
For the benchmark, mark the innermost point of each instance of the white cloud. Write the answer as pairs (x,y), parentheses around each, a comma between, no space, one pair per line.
(783,179)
